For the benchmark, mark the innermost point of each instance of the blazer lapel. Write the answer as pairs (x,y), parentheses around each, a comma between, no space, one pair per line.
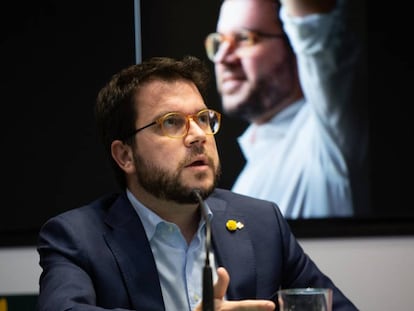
(233,250)
(128,242)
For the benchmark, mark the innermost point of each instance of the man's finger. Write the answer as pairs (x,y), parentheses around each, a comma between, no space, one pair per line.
(223,280)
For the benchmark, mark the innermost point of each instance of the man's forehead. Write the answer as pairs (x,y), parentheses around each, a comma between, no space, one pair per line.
(251,14)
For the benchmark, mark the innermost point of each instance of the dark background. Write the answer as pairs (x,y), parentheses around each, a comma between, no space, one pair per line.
(55,56)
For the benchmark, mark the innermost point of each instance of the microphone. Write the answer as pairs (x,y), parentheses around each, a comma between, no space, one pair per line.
(208,290)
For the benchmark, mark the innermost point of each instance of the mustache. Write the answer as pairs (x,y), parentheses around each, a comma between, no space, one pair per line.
(195,151)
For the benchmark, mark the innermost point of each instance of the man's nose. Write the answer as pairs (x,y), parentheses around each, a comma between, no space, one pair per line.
(226,51)
(195,133)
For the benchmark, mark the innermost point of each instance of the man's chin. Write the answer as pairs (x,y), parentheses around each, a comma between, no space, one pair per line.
(230,108)
(204,190)
(232,104)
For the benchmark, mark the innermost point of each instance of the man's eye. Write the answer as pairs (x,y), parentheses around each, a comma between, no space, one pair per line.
(243,38)
(203,119)
(173,122)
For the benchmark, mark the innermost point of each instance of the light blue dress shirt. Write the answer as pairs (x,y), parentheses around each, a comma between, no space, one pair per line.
(179,265)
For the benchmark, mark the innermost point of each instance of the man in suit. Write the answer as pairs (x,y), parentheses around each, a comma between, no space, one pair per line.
(145,247)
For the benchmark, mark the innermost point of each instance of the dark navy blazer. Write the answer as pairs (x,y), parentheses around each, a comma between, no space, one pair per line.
(97,257)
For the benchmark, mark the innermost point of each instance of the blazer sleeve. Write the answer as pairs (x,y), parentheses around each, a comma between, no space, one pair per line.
(73,257)
(301,271)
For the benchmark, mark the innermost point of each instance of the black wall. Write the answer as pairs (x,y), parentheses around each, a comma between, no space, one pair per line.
(55,56)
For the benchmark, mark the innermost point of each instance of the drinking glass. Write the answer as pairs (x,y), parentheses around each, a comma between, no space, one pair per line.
(305,299)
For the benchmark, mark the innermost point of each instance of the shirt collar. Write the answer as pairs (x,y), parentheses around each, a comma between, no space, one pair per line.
(277,126)
(150,220)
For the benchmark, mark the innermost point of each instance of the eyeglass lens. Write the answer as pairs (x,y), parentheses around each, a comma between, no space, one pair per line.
(214,41)
(245,38)
(177,124)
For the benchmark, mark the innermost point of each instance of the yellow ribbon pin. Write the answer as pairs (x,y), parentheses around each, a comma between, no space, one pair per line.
(233,225)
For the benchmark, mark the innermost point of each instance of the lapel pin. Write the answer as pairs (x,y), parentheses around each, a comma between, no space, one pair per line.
(233,225)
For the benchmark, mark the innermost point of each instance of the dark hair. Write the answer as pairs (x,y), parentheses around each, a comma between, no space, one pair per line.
(115,105)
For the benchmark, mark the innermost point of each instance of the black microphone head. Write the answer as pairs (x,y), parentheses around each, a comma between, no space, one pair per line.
(196,194)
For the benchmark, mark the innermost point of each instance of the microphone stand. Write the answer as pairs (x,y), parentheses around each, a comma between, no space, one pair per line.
(208,290)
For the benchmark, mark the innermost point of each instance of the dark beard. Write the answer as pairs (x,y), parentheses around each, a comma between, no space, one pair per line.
(260,100)
(166,186)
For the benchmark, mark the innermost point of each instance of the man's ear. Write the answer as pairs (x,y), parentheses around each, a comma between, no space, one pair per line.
(122,154)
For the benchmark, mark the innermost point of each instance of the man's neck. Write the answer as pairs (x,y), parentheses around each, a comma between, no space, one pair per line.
(185,216)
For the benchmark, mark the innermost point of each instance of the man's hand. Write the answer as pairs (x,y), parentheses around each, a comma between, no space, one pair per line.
(220,288)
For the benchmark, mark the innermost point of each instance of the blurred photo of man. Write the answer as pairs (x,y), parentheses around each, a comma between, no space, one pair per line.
(295,73)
